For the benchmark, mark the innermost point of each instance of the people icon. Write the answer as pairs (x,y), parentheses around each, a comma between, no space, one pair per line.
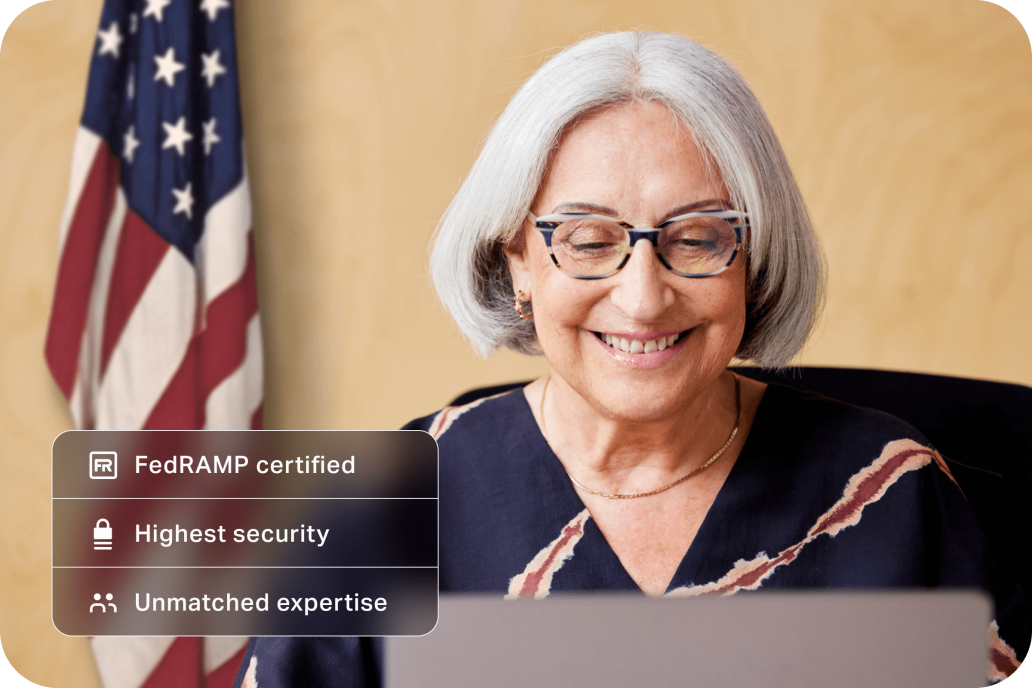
(103,607)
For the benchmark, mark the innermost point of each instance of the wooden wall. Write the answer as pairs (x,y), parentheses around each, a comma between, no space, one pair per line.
(907,123)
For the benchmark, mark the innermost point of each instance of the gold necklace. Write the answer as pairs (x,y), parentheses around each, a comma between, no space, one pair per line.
(700,469)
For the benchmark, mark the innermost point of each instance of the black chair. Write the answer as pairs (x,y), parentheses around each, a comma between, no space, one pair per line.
(983,429)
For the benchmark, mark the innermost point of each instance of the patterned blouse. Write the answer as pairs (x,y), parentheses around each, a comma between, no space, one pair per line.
(823,495)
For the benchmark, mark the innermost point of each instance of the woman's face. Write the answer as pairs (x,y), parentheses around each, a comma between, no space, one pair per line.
(636,163)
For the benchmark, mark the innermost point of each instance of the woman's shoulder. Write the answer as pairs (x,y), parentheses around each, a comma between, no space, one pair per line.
(814,438)
(484,417)
(797,415)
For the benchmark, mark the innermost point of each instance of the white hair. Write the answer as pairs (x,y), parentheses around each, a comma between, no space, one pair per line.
(784,286)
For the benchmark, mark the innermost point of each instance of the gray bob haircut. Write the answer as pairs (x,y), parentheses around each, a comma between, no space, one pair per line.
(784,286)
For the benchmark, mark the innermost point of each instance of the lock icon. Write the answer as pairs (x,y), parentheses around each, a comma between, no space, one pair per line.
(102,535)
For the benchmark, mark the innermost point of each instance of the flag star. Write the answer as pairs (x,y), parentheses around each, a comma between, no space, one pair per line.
(156,8)
(177,135)
(210,137)
(167,67)
(211,69)
(212,7)
(184,201)
(110,40)
(130,143)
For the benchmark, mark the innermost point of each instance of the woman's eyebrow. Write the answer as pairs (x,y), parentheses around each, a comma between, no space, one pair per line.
(691,207)
(579,207)
(582,207)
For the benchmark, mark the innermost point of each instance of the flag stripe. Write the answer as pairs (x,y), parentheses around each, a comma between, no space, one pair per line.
(221,255)
(237,398)
(140,252)
(220,650)
(77,268)
(212,355)
(180,667)
(87,381)
(258,418)
(83,154)
(151,348)
(225,674)
(177,407)
(127,662)
(225,335)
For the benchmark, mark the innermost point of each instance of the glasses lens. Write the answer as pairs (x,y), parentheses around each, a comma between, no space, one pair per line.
(589,246)
(698,245)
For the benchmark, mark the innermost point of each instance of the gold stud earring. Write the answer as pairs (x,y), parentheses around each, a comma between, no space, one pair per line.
(519,307)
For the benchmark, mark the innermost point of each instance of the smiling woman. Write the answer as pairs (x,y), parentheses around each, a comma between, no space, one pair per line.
(637,163)
(630,417)
(632,218)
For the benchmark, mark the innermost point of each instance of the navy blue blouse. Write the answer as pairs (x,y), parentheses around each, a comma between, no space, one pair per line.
(823,495)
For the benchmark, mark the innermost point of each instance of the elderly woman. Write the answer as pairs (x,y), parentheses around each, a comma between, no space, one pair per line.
(632,218)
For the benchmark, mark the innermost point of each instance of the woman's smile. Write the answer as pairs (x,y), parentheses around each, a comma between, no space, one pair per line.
(643,349)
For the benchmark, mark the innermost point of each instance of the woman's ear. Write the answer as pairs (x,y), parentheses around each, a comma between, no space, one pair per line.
(516,255)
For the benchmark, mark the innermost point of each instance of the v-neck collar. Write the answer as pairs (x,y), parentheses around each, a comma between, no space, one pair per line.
(706,538)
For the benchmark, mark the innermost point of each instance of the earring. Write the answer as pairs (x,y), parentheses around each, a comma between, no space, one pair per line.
(519,307)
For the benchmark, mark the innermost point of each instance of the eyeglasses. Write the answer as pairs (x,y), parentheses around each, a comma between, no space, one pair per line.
(588,246)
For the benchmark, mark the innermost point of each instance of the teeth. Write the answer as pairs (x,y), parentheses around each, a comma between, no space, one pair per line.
(634,346)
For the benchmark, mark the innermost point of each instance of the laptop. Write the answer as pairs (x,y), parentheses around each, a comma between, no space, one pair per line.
(846,639)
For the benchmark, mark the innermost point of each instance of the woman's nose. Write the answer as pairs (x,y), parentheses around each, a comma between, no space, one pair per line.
(642,289)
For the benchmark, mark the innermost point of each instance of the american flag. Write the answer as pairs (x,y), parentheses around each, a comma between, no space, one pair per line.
(155,323)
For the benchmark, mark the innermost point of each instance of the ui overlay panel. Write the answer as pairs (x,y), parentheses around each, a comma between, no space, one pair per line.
(249,532)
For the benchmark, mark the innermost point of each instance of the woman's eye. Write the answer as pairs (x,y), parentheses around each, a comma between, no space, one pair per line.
(593,246)
(698,243)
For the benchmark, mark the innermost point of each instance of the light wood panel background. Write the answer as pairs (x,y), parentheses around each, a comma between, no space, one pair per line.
(907,123)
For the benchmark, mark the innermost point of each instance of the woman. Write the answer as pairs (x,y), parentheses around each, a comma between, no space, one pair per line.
(633,218)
